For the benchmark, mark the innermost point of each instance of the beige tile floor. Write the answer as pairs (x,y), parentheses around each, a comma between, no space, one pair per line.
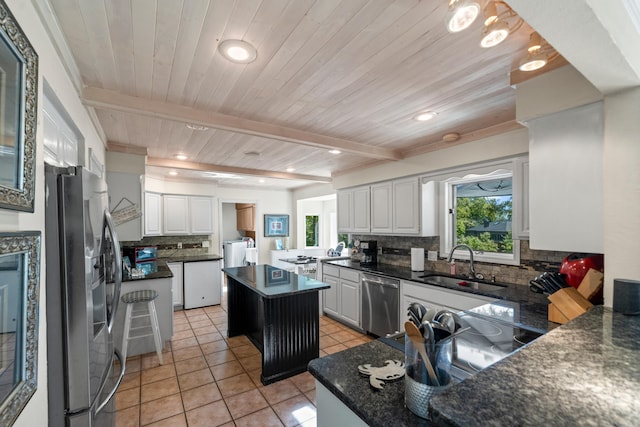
(208,379)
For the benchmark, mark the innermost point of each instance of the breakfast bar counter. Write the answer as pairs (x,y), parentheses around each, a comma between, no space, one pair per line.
(278,311)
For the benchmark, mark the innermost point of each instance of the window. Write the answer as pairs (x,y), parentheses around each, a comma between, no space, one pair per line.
(479,212)
(311,226)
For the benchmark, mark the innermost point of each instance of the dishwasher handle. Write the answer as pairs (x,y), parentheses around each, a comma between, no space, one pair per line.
(381,282)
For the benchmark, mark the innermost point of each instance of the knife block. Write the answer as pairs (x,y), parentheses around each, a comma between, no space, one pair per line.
(567,304)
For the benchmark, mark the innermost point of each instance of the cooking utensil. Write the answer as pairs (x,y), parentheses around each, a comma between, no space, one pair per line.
(446,319)
(417,340)
(418,311)
(440,331)
(536,287)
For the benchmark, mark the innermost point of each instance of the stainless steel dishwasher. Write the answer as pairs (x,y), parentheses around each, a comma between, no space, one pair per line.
(380,304)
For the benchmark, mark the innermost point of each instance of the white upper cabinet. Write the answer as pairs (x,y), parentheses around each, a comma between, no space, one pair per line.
(565,180)
(406,206)
(175,214)
(361,210)
(382,208)
(202,214)
(354,210)
(152,214)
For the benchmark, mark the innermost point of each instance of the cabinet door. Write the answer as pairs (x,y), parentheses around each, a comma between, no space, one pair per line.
(345,212)
(381,208)
(201,210)
(176,282)
(330,299)
(361,205)
(152,214)
(176,214)
(565,185)
(406,206)
(350,302)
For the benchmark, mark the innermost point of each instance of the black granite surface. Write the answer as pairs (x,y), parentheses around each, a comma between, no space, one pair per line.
(338,372)
(584,373)
(273,282)
(192,258)
(531,308)
(162,273)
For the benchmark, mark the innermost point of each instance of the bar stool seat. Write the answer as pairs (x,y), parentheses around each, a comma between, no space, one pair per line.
(130,299)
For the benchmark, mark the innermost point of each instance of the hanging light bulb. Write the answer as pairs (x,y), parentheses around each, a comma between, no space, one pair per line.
(535,42)
(537,57)
(490,13)
(462,13)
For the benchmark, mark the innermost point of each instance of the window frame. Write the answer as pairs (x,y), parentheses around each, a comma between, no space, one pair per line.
(480,172)
(318,231)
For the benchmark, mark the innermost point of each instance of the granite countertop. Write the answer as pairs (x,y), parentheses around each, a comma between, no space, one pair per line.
(531,307)
(162,273)
(582,373)
(273,282)
(191,258)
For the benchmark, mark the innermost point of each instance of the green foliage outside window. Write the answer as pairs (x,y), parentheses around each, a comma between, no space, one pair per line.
(475,214)
(311,230)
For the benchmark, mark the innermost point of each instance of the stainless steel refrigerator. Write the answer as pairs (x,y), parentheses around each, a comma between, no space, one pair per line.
(83,273)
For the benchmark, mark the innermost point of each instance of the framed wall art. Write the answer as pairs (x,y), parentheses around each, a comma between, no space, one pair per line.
(18,110)
(276,225)
(19,291)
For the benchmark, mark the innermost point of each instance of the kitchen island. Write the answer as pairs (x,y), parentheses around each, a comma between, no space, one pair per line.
(278,311)
(583,373)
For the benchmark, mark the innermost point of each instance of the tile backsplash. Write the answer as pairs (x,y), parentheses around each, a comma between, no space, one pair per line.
(168,245)
(396,250)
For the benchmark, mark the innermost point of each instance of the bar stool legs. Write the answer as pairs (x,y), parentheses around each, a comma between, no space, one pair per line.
(130,299)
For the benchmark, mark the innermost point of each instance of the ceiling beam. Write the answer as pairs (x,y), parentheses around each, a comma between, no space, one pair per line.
(207,167)
(109,100)
(126,148)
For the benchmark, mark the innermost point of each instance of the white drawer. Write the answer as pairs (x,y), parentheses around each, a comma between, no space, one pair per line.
(349,274)
(331,270)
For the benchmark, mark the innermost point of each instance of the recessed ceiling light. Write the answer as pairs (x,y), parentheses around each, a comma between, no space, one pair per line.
(238,51)
(461,14)
(196,127)
(451,137)
(261,180)
(220,175)
(424,116)
(251,153)
(180,156)
(291,169)
(173,173)
(335,151)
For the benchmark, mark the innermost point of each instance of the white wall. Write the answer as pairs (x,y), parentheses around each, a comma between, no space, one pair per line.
(621,189)
(228,222)
(51,69)
(266,201)
(495,147)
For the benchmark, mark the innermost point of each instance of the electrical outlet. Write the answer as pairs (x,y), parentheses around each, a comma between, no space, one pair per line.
(205,243)
(379,250)
(432,255)
(179,245)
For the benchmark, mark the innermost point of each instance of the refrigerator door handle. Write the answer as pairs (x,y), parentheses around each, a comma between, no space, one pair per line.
(111,228)
(115,388)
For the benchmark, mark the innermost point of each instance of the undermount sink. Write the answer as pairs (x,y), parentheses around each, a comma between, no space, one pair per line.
(435,279)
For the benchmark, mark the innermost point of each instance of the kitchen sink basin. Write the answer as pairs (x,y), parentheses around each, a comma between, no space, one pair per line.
(435,279)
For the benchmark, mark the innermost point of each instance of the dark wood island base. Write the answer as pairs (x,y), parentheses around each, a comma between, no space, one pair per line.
(279,312)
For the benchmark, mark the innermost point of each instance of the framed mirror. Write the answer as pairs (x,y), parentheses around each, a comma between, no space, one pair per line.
(18,111)
(19,294)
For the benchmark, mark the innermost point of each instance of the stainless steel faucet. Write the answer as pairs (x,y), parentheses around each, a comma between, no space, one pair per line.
(472,273)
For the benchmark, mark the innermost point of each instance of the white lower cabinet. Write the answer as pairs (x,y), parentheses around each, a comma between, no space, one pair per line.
(342,300)
(176,283)
(433,297)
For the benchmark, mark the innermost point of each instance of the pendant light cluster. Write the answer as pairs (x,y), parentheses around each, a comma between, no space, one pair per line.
(499,21)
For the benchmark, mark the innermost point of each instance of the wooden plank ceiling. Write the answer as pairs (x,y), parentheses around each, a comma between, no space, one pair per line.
(349,74)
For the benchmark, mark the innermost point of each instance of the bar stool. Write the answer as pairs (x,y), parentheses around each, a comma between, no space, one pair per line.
(131,298)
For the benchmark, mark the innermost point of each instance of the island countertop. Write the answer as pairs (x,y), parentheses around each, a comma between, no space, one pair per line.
(273,282)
